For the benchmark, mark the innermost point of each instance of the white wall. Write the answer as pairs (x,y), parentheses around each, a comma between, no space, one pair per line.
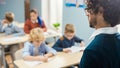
(36,4)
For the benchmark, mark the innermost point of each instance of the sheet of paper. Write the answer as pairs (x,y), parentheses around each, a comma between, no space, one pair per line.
(34,63)
(76,49)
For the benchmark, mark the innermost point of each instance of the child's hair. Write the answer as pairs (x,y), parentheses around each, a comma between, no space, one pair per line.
(34,11)
(36,34)
(69,28)
(9,16)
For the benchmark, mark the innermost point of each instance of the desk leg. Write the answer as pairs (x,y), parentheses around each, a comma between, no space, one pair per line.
(3,56)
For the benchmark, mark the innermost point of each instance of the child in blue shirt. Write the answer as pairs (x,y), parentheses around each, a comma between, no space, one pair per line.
(36,49)
(7,26)
(67,40)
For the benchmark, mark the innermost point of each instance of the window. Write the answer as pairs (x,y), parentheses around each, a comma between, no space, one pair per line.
(52,12)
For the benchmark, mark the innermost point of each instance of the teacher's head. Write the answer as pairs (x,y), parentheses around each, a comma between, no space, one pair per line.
(103,13)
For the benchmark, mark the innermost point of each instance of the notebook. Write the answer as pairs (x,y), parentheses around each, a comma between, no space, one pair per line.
(76,48)
(34,63)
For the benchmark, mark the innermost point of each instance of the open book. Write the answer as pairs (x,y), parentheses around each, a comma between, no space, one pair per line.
(76,48)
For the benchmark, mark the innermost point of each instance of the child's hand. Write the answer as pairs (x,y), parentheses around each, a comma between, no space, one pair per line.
(4,21)
(48,55)
(43,58)
(82,44)
(66,50)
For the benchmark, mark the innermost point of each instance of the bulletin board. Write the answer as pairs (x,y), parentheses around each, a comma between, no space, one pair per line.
(75,3)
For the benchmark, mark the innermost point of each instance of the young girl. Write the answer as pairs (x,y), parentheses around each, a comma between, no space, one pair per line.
(67,40)
(36,49)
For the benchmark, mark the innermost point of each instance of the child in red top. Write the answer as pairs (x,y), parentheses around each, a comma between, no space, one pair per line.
(33,22)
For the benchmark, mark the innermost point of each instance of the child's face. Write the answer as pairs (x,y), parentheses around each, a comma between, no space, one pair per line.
(69,35)
(36,43)
(33,16)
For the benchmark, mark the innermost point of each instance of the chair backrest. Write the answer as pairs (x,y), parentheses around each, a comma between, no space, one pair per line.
(50,44)
(18,54)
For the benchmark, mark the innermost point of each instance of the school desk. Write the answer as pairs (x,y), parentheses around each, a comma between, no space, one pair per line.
(5,41)
(61,60)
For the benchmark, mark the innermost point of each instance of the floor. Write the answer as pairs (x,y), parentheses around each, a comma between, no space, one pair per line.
(9,61)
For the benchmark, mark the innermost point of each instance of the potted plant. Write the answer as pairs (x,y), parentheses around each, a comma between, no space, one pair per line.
(56,25)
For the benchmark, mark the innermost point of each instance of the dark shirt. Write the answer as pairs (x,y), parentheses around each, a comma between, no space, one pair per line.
(65,43)
(102,52)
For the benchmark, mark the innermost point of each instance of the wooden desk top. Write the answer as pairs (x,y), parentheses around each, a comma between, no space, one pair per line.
(22,39)
(58,61)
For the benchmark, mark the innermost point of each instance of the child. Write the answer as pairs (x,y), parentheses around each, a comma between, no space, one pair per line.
(67,40)
(7,26)
(36,49)
(34,22)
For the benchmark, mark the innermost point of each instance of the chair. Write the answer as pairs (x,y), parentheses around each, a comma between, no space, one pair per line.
(51,44)
(18,54)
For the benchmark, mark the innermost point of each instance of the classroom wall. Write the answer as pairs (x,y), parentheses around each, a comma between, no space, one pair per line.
(36,4)
(15,6)
(77,17)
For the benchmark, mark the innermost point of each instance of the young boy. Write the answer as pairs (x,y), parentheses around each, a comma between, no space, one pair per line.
(34,22)
(7,26)
(36,49)
(67,40)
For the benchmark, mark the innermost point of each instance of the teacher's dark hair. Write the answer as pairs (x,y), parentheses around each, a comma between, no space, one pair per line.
(109,8)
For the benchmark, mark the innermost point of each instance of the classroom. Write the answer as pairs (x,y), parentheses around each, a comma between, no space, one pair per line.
(59,34)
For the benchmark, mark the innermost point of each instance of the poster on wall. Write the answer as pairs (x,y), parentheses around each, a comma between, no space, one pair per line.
(75,3)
